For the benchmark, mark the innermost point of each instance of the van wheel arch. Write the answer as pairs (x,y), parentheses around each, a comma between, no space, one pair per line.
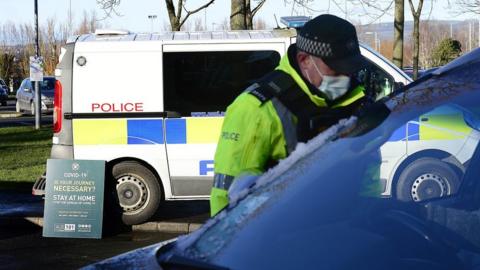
(446,157)
(113,162)
(136,189)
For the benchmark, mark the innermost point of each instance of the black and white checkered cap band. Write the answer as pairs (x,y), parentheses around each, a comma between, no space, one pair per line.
(317,48)
(328,50)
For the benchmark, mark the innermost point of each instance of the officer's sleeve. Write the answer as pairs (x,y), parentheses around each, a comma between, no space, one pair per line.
(245,141)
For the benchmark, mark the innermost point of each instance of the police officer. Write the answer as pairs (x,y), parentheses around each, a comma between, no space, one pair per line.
(310,90)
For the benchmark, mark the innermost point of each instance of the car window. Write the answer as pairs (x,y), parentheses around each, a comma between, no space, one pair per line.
(24,84)
(209,81)
(377,82)
(48,84)
(313,207)
(2,83)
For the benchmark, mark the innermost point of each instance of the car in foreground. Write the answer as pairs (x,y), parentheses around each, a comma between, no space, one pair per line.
(321,208)
(3,93)
(26,95)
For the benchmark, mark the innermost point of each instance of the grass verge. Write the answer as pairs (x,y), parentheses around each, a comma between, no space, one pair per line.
(23,153)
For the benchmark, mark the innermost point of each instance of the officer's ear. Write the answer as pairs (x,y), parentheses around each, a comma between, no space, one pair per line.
(303,60)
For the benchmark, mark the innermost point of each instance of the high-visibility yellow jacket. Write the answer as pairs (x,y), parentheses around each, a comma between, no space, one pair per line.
(253,135)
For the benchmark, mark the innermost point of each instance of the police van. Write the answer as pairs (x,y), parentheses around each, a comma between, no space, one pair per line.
(152,105)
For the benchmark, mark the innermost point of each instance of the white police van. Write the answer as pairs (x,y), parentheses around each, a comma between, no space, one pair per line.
(152,105)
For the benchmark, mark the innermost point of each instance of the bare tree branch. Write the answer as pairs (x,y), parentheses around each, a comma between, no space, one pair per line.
(259,5)
(109,7)
(180,6)
(338,6)
(468,6)
(305,4)
(194,11)
(373,4)
(418,12)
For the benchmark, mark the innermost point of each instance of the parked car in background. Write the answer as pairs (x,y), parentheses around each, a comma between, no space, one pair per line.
(26,95)
(421,72)
(3,93)
(309,212)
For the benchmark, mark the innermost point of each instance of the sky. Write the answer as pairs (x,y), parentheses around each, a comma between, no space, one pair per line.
(134,13)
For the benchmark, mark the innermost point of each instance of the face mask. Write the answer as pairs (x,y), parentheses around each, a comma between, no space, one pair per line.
(332,86)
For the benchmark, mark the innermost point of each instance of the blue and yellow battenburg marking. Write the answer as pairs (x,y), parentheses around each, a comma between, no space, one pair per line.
(196,130)
(443,123)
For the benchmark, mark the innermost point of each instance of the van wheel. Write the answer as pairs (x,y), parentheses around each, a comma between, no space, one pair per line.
(138,191)
(17,107)
(427,178)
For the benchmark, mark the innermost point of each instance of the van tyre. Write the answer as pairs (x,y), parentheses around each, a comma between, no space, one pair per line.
(138,191)
(32,108)
(426,178)
(17,107)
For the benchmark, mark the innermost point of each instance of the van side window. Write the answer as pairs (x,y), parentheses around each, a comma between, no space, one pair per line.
(377,82)
(203,82)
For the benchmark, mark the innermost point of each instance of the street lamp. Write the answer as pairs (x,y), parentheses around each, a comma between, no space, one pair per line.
(38,94)
(375,36)
(151,18)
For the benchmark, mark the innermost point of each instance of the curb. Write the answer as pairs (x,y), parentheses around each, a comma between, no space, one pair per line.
(163,227)
(172,227)
(9,114)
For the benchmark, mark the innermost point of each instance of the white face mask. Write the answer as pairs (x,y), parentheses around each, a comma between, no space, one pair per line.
(332,86)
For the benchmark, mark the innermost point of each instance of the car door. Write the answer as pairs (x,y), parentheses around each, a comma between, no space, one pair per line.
(30,95)
(22,95)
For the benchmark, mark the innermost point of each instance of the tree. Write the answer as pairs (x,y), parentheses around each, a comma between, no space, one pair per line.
(398,24)
(175,14)
(469,6)
(446,51)
(6,66)
(416,34)
(375,9)
(437,31)
(176,20)
(88,24)
(260,24)
(241,16)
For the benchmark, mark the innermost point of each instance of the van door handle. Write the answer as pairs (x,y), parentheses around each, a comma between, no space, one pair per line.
(172,114)
(424,119)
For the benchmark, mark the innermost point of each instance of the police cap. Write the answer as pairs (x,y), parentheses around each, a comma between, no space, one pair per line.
(334,40)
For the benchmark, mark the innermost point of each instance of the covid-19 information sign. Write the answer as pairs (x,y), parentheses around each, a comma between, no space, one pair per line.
(74,198)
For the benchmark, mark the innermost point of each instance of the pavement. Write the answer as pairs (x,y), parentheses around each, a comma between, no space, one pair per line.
(22,245)
(153,226)
(18,206)
(9,110)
